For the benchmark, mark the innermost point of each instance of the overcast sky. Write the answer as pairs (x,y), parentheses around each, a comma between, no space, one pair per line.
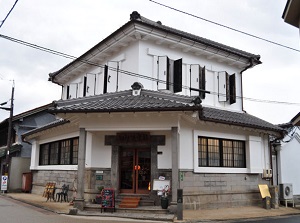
(75,26)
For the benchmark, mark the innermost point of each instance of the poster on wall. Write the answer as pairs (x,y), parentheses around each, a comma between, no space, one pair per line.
(4,182)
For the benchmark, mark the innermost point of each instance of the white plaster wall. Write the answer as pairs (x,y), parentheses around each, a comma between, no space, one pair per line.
(54,136)
(288,163)
(141,58)
(100,155)
(257,149)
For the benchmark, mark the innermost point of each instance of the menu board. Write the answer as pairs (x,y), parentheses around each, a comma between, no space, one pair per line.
(108,199)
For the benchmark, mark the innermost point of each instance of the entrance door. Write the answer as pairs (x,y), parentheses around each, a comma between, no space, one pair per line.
(135,170)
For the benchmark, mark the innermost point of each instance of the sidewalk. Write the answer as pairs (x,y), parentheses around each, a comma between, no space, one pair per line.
(188,215)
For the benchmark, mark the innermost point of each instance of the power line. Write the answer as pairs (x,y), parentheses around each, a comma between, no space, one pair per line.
(227,27)
(44,49)
(2,22)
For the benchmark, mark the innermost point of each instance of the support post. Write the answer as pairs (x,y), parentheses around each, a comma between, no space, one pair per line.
(179,204)
(175,163)
(79,201)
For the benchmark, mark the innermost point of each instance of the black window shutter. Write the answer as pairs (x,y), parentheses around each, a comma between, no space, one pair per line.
(168,74)
(105,79)
(227,87)
(177,76)
(232,89)
(68,92)
(202,82)
(84,86)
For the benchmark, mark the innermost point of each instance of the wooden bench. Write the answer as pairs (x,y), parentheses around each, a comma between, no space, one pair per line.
(49,191)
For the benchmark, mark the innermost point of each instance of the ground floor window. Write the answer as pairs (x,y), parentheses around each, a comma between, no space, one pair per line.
(215,152)
(63,152)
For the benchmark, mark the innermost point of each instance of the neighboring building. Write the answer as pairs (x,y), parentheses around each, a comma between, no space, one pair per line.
(20,152)
(291,13)
(288,153)
(148,101)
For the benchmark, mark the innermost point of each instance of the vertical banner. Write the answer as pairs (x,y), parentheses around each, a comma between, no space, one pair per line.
(4,182)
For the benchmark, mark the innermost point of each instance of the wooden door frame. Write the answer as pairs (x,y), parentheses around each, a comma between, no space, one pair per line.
(135,189)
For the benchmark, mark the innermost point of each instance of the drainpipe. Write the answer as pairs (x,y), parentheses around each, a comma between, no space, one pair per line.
(246,68)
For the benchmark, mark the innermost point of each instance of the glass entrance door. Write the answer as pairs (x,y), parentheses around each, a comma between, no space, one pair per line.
(135,170)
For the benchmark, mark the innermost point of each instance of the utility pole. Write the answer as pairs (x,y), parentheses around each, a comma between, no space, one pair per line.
(9,135)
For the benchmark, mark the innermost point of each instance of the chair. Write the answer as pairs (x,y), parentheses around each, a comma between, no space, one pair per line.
(63,194)
(49,191)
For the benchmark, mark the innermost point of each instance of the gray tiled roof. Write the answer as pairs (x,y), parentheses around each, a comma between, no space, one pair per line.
(45,127)
(158,101)
(236,118)
(198,39)
(125,102)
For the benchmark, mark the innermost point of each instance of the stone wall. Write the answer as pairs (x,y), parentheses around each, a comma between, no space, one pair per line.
(206,191)
(60,177)
(92,182)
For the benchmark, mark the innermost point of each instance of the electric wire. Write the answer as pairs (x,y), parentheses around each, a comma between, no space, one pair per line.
(127,72)
(227,27)
(2,22)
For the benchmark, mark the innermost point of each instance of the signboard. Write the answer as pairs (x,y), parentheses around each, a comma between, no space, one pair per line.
(108,199)
(160,184)
(264,190)
(99,177)
(4,182)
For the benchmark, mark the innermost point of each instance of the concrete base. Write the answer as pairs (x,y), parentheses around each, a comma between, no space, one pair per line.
(73,211)
(79,204)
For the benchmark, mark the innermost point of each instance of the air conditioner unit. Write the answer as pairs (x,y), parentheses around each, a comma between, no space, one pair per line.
(267,173)
(285,191)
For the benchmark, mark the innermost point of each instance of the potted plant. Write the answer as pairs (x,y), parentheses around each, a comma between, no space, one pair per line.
(164,200)
(98,198)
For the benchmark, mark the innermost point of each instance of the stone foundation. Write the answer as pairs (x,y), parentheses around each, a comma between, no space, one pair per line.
(207,191)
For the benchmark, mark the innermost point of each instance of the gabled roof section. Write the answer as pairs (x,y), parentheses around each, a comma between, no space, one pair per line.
(28,113)
(291,13)
(237,118)
(296,120)
(32,112)
(125,101)
(139,27)
(153,101)
(50,125)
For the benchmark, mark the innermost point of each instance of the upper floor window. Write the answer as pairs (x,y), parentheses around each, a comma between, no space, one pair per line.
(214,152)
(197,80)
(63,152)
(169,74)
(72,91)
(226,87)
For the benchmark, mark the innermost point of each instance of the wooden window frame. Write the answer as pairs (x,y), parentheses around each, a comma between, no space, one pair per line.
(238,158)
(48,155)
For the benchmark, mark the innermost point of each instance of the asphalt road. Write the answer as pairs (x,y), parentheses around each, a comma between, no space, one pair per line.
(280,219)
(13,211)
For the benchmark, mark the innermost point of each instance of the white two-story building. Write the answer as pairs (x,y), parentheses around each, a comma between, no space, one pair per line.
(149,101)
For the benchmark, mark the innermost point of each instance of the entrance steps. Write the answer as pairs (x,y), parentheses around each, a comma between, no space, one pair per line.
(145,205)
(95,208)
(129,202)
(144,200)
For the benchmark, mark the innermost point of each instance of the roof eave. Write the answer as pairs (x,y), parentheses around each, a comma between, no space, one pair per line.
(188,108)
(277,132)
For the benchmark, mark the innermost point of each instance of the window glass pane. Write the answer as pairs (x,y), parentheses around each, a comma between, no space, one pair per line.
(44,154)
(75,151)
(239,154)
(221,153)
(213,152)
(65,152)
(54,147)
(202,152)
(227,153)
